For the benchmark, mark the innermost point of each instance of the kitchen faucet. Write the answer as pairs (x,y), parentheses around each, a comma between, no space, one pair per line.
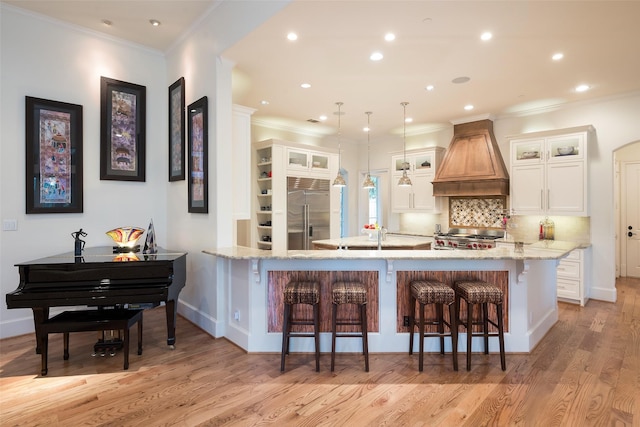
(381,231)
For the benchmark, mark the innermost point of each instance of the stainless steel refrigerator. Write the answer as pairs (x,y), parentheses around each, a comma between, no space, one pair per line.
(307,211)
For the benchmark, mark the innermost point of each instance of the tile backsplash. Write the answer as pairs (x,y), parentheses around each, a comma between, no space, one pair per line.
(477,212)
(468,212)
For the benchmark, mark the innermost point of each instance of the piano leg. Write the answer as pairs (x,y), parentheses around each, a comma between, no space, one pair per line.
(40,315)
(172,313)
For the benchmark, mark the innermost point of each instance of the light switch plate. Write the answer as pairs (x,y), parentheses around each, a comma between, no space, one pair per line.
(10,225)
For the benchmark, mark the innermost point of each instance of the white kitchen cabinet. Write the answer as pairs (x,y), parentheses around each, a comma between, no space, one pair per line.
(308,163)
(549,174)
(421,168)
(572,278)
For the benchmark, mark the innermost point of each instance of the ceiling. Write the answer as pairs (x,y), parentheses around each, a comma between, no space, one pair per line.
(436,42)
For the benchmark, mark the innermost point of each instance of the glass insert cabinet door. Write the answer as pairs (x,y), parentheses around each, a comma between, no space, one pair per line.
(530,151)
(307,160)
(566,147)
(416,163)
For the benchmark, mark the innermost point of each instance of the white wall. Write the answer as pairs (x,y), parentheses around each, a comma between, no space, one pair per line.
(198,59)
(46,59)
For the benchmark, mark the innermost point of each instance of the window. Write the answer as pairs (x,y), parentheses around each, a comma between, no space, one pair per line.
(374,216)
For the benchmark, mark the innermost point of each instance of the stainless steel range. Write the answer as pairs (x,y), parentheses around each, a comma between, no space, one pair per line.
(467,238)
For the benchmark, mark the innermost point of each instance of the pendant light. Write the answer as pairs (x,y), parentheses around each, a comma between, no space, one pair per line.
(404,180)
(339,181)
(368,182)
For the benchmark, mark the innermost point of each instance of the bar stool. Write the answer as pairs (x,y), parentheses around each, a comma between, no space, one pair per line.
(301,293)
(349,293)
(439,294)
(479,292)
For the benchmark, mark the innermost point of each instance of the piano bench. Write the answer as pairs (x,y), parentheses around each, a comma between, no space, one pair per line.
(91,320)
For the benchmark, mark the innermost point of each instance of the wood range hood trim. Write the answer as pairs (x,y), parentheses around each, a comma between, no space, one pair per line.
(472,165)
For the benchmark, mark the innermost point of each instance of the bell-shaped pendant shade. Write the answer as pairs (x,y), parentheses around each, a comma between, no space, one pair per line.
(339,181)
(404,180)
(368,183)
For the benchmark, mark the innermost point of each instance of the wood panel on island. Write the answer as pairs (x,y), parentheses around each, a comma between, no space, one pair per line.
(404,279)
(277,281)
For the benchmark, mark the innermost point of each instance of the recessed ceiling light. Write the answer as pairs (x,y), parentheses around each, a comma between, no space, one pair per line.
(389,37)
(106,23)
(582,88)
(376,56)
(468,107)
(408,120)
(292,36)
(264,102)
(154,22)
(459,80)
(430,87)
(366,129)
(486,36)
(557,56)
(322,118)
(305,85)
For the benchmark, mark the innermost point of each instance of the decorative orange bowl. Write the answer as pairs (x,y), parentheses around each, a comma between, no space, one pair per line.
(126,237)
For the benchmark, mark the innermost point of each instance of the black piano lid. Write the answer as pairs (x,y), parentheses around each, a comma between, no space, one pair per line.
(105,254)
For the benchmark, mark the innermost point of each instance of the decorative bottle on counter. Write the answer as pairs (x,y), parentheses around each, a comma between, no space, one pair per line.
(549,229)
(541,232)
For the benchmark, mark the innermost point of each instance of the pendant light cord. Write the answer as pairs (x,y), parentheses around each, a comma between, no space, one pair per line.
(404,133)
(368,113)
(339,104)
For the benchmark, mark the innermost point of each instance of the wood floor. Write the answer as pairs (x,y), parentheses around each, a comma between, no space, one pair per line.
(585,372)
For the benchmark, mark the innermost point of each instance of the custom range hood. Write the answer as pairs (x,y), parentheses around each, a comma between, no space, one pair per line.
(472,165)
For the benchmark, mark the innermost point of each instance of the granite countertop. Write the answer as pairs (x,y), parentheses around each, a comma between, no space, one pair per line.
(555,250)
(391,240)
(551,244)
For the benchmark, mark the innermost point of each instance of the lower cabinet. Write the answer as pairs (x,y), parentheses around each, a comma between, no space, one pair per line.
(572,281)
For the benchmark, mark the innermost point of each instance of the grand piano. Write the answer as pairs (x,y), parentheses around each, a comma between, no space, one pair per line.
(101,278)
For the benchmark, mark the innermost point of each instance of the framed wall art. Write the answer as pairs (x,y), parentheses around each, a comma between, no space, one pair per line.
(197,122)
(122,130)
(176,130)
(54,156)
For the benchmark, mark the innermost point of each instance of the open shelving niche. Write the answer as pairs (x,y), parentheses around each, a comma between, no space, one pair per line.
(265,192)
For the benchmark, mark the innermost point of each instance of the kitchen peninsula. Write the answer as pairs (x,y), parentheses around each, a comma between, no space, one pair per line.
(252,281)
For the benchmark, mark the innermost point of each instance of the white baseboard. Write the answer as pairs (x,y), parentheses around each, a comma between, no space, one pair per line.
(200,319)
(603,294)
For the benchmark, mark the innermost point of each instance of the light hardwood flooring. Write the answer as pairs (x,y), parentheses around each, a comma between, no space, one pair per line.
(585,372)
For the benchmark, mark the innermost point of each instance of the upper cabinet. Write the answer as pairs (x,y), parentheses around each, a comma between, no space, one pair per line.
(421,168)
(549,173)
(302,162)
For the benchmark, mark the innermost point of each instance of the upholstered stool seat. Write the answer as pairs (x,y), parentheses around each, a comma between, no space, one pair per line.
(483,293)
(349,293)
(300,293)
(427,292)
